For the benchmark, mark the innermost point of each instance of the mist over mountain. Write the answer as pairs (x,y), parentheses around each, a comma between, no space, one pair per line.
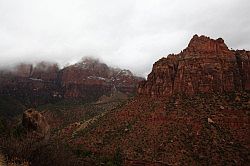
(128,34)
(124,82)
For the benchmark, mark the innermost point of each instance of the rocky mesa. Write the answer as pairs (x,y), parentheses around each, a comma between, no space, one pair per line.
(206,65)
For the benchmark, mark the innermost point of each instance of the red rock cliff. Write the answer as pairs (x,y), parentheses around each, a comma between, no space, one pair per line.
(31,84)
(206,65)
(91,78)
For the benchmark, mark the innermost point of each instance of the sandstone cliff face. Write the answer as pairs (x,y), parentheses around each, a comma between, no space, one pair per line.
(243,60)
(91,79)
(45,71)
(31,84)
(206,65)
(44,82)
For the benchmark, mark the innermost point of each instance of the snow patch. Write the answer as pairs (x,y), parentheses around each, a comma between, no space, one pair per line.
(35,79)
(125,73)
(95,77)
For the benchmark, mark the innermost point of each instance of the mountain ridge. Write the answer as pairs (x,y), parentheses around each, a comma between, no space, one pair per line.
(45,82)
(205,65)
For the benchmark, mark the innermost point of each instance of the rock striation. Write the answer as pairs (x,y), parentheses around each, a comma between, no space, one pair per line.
(45,82)
(206,65)
(31,84)
(243,61)
(91,79)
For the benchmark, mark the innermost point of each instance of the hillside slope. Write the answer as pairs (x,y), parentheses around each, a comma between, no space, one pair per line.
(202,130)
(192,110)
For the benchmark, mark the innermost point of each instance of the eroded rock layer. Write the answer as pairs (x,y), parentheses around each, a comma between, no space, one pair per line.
(91,78)
(45,82)
(206,65)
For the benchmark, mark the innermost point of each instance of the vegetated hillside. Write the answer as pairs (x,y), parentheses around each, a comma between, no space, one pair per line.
(65,118)
(193,109)
(64,97)
(204,129)
(9,108)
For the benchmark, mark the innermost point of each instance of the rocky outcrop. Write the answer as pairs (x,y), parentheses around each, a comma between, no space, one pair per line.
(35,121)
(206,65)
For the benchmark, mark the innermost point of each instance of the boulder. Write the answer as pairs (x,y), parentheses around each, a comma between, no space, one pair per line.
(35,121)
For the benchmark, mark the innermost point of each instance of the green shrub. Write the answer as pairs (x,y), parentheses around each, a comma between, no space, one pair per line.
(118,157)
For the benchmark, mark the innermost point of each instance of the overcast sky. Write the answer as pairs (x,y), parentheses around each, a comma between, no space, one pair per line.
(129,34)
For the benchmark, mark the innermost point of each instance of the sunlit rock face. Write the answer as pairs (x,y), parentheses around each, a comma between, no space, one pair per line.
(205,66)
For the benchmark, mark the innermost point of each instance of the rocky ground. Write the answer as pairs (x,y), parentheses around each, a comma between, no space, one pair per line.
(205,129)
(202,130)
(24,141)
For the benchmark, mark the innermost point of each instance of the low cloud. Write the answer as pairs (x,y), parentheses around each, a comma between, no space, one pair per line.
(129,34)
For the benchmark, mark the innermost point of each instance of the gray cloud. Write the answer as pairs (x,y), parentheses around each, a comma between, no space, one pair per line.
(126,33)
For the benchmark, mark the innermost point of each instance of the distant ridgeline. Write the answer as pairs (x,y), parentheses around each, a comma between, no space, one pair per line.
(45,82)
